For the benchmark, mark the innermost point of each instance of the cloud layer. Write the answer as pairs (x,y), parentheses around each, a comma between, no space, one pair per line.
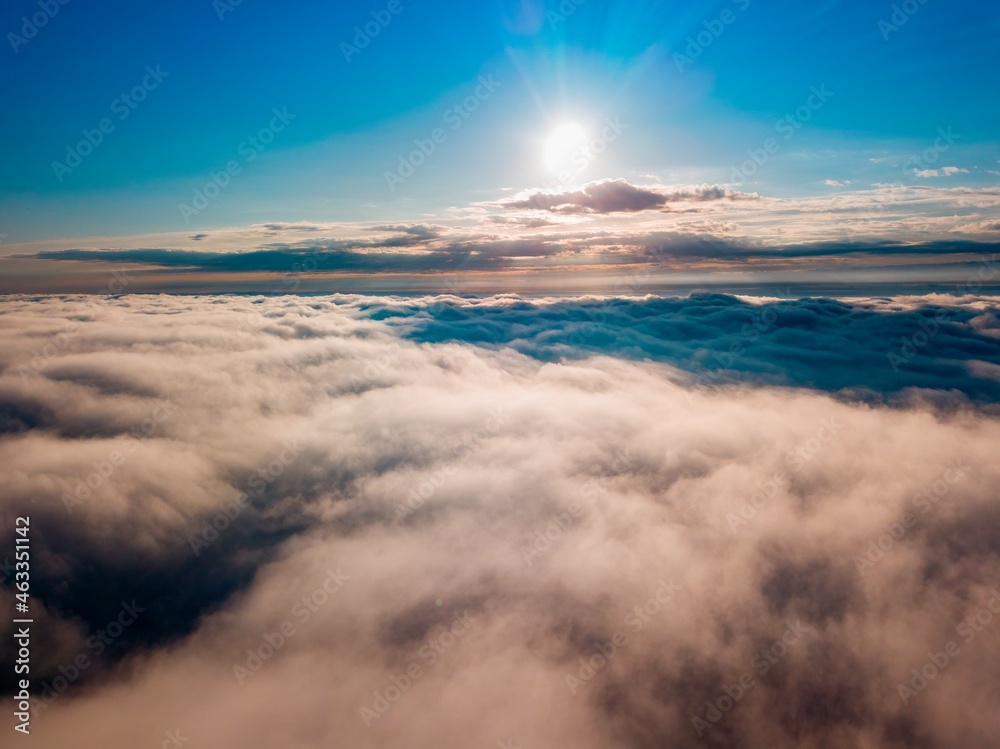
(619,196)
(577,239)
(637,262)
(451,522)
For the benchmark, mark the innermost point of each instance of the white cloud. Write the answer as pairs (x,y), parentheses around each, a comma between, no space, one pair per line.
(945,171)
(435,472)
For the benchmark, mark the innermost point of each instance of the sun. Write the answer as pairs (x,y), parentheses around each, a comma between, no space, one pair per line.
(566,149)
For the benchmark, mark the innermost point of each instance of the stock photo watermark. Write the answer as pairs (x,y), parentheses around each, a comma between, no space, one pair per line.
(795,460)
(911,345)
(469,446)
(454,117)
(249,149)
(722,362)
(224,7)
(42,356)
(564,10)
(99,643)
(174,739)
(713,29)
(105,468)
(122,106)
(31,25)
(543,539)
(635,621)
(364,34)
(761,662)
(436,645)
(786,127)
(920,164)
(257,483)
(923,502)
(580,158)
(302,611)
(899,14)
(937,661)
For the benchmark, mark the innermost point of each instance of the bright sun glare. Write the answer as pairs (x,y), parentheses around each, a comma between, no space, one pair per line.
(566,148)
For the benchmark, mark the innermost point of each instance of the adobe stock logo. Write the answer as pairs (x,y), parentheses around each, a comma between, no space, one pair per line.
(938,661)
(636,620)
(762,662)
(713,29)
(787,127)
(249,149)
(437,644)
(454,116)
(122,106)
(363,35)
(222,7)
(270,642)
(901,13)
(30,26)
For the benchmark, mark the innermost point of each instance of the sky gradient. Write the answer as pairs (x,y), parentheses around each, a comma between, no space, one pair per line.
(406,141)
(515,374)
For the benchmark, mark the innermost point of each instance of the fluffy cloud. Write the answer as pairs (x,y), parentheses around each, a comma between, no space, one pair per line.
(431,541)
(619,196)
(600,229)
(945,171)
(817,343)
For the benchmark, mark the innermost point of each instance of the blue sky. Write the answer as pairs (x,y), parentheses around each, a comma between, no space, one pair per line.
(747,66)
